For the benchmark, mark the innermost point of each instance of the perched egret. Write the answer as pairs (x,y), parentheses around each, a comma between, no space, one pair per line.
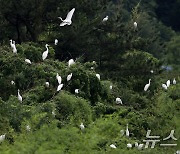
(164,86)
(67,21)
(14,48)
(47,84)
(98,76)
(140,146)
(147,85)
(174,81)
(2,137)
(105,19)
(27,61)
(152,71)
(28,128)
(81,126)
(45,53)
(69,77)
(11,43)
(55,41)
(53,113)
(94,62)
(19,96)
(59,87)
(110,87)
(127,131)
(12,82)
(122,132)
(118,101)
(168,83)
(113,146)
(135,25)
(77,91)
(71,62)
(129,145)
(92,68)
(59,79)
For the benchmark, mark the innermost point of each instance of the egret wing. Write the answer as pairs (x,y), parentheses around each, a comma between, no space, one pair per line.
(70,14)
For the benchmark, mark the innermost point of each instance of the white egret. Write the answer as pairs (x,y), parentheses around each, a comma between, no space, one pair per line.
(118,101)
(2,137)
(105,19)
(164,86)
(71,62)
(168,83)
(122,132)
(53,113)
(12,82)
(55,41)
(110,87)
(135,25)
(28,128)
(14,47)
(19,96)
(98,76)
(113,146)
(47,84)
(81,126)
(129,145)
(140,146)
(77,91)
(127,131)
(45,53)
(27,61)
(68,20)
(11,43)
(147,85)
(94,62)
(59,79)
(92,68)
(152,71)
(174,81)
(59,87)
(69,77)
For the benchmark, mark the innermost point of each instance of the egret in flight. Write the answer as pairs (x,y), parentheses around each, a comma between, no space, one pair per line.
(45,53)
(147,85)
(67,21)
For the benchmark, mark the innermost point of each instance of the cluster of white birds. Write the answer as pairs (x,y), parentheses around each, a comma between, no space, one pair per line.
(164,86)
(129,145)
